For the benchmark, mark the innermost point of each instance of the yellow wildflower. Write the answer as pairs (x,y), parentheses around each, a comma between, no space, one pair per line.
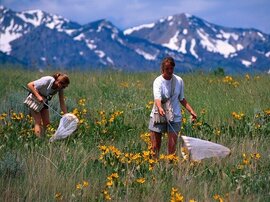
(79,186)
(85,184)
(58,196)
(140,180)
(109,183)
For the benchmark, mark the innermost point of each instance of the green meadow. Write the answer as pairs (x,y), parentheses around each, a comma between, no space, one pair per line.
(109,156)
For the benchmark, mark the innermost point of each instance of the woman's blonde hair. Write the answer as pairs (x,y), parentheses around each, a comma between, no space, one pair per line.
(167,60)
(63,77)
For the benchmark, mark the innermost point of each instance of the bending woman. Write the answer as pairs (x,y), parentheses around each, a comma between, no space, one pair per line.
(43,89)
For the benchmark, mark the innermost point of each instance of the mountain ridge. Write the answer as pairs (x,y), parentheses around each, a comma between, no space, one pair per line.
(37,38)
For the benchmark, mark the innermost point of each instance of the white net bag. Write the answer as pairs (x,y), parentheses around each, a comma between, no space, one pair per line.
(200,149)
(68,124)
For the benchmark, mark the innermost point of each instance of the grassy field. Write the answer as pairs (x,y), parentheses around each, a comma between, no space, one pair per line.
(108,157)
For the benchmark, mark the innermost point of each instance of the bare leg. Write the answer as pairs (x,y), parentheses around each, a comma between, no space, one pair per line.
(156,142)
(172,141)
(45,116)
(38,123)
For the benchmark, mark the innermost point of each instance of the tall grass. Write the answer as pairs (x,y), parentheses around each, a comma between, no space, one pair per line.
(108,156)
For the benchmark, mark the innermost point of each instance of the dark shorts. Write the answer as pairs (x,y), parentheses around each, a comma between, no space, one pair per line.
(164,127)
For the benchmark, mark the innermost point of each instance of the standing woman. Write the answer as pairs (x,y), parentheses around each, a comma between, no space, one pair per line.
(168,86)
(43,89)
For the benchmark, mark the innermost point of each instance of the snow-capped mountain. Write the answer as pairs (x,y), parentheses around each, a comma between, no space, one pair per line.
(205,41)
(39,39)
(17,24)
(50,40)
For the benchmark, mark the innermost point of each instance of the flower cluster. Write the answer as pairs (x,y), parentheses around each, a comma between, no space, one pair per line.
(176,196)
(248,159)
(229,80)
(238,116)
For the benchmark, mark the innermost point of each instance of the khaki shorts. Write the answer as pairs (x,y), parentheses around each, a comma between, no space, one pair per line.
(164,127)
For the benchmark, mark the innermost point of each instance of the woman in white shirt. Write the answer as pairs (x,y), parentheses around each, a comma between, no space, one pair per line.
(168,86)
(43,89)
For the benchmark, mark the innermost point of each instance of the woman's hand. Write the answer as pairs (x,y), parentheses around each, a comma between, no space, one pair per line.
(193,116)
(32,88)
(161,111)
(40,98)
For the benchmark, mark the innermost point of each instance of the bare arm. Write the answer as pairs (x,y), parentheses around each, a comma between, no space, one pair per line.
(62,102)
(32,88)
(185,103)
(159,106)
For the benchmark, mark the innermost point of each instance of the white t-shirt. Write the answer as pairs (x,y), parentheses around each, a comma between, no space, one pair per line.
(162,90)
(44,86)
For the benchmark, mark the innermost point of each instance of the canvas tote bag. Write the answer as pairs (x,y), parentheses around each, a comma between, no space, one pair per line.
(32,102)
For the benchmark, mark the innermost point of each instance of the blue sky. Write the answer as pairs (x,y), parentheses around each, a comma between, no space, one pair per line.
(128,13)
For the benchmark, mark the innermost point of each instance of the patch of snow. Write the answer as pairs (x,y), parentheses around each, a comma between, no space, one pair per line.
(227,35)
(192,46)
(100,28)
(56,22)
(70,31)
(50,25)
(114,36)
(182,48)
(219,36)
(147,56)
(43,59)
(218,46)
(234,36)
(239,47)
(109,60)
(253,59)
(224,48)
(90,44)
(246,63)
(162,20)
(172,44)
(233,55)
(81,53)
(185,31)
(261,35)
(130,30)
(169,18)
(267,54)
(213,29)
(7,37)
(80,37)
(100,53)
(38,16)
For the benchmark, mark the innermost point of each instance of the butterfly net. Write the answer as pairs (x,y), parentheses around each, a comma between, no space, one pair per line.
(68,124)
(200,149)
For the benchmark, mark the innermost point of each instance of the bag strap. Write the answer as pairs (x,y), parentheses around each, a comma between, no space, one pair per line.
(173,82)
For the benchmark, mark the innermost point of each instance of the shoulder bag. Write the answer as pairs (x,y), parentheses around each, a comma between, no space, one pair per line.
(32,102)
(167,107)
